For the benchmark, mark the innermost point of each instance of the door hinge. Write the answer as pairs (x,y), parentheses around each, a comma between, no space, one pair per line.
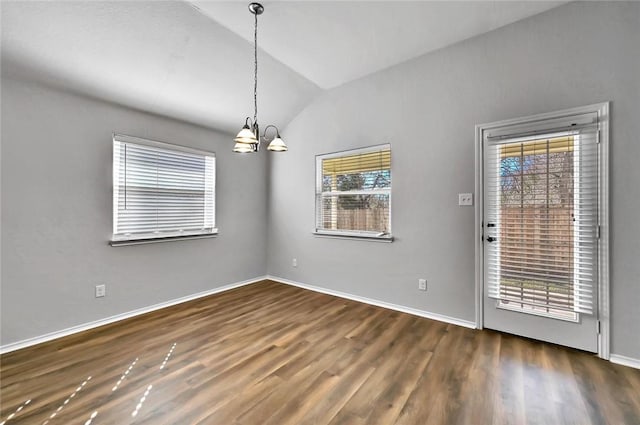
(598,137)
(598,326)
(598,232)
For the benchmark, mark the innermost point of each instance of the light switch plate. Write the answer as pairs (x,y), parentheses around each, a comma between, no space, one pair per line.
(465,199)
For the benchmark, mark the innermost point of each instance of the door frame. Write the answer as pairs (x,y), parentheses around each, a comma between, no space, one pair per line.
(603,308)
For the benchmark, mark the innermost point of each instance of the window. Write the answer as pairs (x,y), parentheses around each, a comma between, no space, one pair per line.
(161,191)
(353,193)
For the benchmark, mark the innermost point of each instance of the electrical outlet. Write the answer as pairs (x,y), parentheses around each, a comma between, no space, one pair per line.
(422,284)
(465,199)
(294,262)
(101,291)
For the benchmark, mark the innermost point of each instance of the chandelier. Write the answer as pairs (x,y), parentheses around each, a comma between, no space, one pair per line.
(248,139)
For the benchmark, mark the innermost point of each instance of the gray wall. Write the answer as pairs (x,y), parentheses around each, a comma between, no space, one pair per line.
(57,216)
(578,54)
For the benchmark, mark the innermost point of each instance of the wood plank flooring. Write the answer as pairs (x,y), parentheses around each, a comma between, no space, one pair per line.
(272,354)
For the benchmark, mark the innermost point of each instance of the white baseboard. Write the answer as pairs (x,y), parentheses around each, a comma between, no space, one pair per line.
(624,361)
(101,322)
(384,304)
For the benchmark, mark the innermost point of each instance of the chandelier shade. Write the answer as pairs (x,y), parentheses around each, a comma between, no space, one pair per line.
(277,145)
(246,136)
(243,147)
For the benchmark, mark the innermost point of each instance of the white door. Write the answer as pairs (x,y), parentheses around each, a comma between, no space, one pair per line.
(541,228)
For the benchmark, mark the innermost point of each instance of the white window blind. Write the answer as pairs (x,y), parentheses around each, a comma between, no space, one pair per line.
(353,192)
(542,217)
(161,190)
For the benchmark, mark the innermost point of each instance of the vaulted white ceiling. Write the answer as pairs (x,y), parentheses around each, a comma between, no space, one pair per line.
(163,57)
(333,42)
(193,61)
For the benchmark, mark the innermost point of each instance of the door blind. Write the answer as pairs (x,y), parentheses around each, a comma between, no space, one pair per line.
(541,221)
(161,190)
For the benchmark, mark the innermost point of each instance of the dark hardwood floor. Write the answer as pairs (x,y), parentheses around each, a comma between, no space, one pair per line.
(273,354)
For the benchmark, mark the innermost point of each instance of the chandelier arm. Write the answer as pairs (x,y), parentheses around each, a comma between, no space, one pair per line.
(264,133)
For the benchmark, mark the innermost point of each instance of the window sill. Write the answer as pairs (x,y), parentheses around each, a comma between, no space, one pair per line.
(127,242)
(353,236)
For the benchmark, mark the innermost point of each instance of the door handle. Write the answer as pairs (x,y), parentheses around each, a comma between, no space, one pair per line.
(491,239)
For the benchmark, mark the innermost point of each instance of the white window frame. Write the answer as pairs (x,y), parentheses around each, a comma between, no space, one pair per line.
(603,302)
(352,234)
(121,238)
